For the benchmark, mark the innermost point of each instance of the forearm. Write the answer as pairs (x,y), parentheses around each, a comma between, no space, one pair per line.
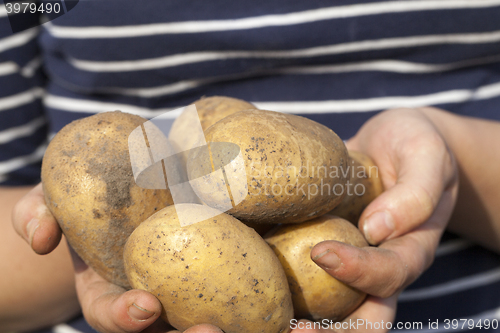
(35,291)
(473,142)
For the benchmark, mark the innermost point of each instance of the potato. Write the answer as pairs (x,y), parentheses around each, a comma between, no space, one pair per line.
(316,295)
(215,271)
(185,131)
(212,109)
(90,189)
(363,187)
(276,168)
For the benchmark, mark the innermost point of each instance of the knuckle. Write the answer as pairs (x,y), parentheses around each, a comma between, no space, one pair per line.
(412,266)
(393,280)
(450,169)
(356,273)
(436,140)
(424,201)
(16,218)
(391,287)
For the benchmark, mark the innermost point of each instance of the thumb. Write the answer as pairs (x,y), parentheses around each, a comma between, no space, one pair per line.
(33,221)
(109,308)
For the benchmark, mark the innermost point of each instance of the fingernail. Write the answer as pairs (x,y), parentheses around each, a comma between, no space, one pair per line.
(378,227)
(327,260)
(31,229)
(138,313)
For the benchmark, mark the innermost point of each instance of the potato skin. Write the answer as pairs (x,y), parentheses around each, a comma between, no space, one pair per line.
(216,271)
(214,108)
(90,189)
(210,110)
(365,179)
(286,159)
(316,295)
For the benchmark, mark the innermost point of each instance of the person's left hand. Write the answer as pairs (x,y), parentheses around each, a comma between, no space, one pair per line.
(407,220)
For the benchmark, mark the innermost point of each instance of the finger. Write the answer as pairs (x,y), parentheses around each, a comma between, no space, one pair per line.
(33,221)
(380,271)
(376,271)
(108,308)
(387,269)
(411,201)
(353,144)
(424,170)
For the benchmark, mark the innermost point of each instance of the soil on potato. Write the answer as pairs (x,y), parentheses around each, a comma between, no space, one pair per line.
(118,180)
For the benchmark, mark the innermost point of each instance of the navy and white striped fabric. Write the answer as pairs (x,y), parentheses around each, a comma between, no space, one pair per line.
(338,63)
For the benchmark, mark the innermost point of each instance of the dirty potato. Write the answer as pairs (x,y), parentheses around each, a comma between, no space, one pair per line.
(276,168)
(213,269)
(316,295)
(90,189)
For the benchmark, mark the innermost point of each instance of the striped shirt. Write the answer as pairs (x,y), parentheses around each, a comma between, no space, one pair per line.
(338,63)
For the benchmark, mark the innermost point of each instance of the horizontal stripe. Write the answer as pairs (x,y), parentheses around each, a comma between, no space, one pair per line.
(18,39)
(450,287)
(296,107)
(368,45)
(63,328)
(88,106)
(395,66)
(21,98)
(31,67)
(459,264)
(21,131)
(263,21)
(3,11)
(159,91)
(452,247)
(22,161)
(382,103)
(8,68)
(447,327)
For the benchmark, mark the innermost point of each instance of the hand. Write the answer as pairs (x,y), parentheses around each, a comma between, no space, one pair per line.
(107,307)
(407,220)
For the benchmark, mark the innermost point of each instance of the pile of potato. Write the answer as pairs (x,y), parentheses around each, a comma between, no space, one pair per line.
(227,269)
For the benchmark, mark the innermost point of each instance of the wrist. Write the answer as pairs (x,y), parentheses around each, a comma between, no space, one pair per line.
(476,215)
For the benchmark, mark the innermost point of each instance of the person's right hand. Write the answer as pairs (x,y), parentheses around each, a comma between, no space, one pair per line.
(406,221)
(107,307)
